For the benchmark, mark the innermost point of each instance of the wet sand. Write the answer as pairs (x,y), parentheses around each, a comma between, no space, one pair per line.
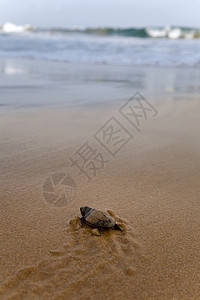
(151,185)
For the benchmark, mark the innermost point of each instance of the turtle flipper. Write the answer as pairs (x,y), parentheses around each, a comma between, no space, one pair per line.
(117,227)
(96,231)
(82,221)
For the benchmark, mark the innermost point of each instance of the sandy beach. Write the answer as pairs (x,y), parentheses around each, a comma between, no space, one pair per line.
(149,181)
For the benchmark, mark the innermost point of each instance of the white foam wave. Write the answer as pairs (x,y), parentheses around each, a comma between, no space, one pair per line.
(171,33)
(157,33)
(11,27)
(175,33)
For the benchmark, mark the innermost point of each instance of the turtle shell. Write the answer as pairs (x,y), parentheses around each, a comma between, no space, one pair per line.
(97,218)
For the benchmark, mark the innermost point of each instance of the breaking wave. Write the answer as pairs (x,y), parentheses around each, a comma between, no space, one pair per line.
(169,32)
(10,27)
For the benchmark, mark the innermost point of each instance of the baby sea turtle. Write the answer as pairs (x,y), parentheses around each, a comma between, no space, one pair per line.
(98,219)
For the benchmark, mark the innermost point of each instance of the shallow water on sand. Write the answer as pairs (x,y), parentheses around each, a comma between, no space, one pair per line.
(26,83)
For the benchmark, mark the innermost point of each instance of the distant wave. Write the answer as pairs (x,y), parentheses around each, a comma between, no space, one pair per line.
(173,32)
(11,27)
(167,46)
(170,32)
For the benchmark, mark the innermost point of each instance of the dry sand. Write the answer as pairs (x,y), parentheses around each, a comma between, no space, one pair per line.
(152,184)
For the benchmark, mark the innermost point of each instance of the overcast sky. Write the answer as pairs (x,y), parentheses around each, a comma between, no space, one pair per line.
(122,13)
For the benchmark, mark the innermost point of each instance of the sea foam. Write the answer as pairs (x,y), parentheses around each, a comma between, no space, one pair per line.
(11,27)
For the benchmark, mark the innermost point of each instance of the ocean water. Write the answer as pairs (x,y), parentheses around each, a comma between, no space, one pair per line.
(167,46)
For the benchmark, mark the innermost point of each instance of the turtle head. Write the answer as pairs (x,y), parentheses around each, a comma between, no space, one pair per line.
(84,210)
